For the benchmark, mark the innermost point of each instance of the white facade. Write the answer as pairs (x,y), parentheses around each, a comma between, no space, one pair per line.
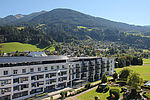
(20,82)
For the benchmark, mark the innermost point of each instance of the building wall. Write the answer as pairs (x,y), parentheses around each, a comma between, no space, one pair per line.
(32,81)
(25,81)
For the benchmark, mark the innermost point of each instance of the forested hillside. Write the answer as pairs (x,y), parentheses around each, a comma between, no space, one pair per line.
(25,35)
(65,25)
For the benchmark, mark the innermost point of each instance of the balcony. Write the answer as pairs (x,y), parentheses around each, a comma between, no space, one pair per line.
(85,65)
(5,91)
(98,63)
(78,66)
(91,68)
(37,77)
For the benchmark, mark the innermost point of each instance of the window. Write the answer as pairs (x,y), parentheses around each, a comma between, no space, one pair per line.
(107,69)
(46,68)
(47,76)
(23,70)
(31,70)
(33,77)
(5,82)
(5,72)
(16,80)
(15,71)
(52,67)
(57,67)
(63,66)
(39,69)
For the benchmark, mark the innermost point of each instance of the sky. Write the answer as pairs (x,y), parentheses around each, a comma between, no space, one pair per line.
(135,12)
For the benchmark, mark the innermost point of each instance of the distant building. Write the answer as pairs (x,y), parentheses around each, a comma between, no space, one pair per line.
(104,50)
(147,83)
(23,77)
(36,54)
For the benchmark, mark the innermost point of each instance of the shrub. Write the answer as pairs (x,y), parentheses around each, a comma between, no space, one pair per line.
(106,89)
(99,89)
(134,95)
(63,94)
(125,73)
(96,98)
(88,85)
(51,98)
(115,76)
(104,78)
(114,93)
(102,89)
(81,90)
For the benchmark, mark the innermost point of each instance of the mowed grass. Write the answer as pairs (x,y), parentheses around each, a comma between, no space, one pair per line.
(16,46)
(143,70)
(91,94)
(146,61)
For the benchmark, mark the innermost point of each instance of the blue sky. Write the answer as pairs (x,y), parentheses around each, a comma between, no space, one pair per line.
(128,11)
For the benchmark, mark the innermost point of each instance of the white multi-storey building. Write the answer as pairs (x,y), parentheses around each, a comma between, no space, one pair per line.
(23,77)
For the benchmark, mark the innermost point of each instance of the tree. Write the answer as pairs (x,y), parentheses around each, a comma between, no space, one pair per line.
(104,78)
(124,73)
(134,80)
(137,61)
(115,76)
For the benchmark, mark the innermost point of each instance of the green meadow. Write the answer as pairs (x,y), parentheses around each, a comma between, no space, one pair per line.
(16,46)
(143,70)
(91,94)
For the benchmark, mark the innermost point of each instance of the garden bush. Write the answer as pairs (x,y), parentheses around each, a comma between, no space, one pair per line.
(63,94)
(102,89)
(106,89)
(96,98)
(114,93)
(88,85)
(99,89)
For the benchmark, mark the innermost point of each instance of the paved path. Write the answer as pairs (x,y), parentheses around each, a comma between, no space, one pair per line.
(55,94)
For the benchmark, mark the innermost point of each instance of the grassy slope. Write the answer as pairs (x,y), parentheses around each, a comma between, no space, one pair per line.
(144,71)
(91,94)
(16,46)
(146,61)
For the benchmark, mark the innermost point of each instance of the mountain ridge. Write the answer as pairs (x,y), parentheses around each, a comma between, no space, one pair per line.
(66,25)
(94,20)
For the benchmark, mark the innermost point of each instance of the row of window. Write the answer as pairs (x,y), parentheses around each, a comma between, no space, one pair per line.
(36,77)
(32,70)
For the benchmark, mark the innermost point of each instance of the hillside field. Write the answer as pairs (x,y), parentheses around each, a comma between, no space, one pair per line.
(16,46)
(143,70)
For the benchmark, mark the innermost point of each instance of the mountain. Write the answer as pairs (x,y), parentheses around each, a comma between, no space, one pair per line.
(66,25)
(68,16)
(19,18)
(7,19)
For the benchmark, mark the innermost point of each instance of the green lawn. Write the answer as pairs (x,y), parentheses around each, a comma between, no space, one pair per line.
(91,94)
(143,70)
(16,46)
(146,61)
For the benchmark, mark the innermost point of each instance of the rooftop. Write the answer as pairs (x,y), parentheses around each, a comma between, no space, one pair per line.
(31,59)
